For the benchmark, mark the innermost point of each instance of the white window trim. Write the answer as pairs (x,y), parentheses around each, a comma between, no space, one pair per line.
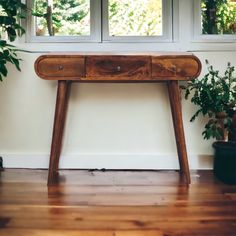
(175,20)
(99,32)
(95,28)
(167,27)
(197,29)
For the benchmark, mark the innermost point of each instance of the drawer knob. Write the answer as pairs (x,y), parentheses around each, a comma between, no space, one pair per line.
(118,68)
(60,67)
(173,68)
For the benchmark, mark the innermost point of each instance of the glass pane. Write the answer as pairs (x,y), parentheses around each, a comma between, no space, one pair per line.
(62,17)
(135,17)
(218,16)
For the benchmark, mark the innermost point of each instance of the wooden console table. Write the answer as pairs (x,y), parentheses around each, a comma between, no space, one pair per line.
(117,67)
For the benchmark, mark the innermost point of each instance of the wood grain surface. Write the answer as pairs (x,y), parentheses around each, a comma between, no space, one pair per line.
(63,92)
(115,203)
(127,67)
(119,67)
(112,67)
(60,67)
(175,66)
(177,118)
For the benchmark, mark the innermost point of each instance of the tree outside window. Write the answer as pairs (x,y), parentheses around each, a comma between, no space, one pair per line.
(61,17)
(72,17)
(135,18)
(218,16)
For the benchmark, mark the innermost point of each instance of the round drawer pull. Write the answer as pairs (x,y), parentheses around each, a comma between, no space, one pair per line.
(118,68)
(60,67)
(173,68)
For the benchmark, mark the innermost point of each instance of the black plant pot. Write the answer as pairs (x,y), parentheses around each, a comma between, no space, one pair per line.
(225,161)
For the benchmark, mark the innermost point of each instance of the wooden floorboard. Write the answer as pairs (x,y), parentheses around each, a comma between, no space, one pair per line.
(115,203)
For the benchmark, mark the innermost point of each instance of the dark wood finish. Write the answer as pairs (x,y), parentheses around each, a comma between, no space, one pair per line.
(176,111)
(121,203)
(179,67)
(54,232)
(60,67)
(126,67)
(118,67)
(63,91)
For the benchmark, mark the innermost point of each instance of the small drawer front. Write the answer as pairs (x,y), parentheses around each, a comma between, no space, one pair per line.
(186,67)
(106,67)
(60,67)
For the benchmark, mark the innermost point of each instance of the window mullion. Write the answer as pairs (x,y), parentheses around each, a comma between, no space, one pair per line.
(96,20)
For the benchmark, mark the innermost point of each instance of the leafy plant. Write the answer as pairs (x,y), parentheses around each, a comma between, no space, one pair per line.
(215,96)
(11,13)
(8,53)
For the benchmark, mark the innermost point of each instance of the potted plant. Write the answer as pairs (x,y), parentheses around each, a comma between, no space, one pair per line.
(215,96)
(11,14)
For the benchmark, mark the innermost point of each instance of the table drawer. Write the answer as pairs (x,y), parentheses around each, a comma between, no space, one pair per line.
(106,67)
(186,67)
(60,68)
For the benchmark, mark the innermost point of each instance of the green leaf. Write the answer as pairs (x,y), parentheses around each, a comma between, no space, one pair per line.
(3,70)
(16,62)
(213,94)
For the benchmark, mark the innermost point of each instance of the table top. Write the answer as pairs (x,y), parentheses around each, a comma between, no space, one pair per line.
(121,53)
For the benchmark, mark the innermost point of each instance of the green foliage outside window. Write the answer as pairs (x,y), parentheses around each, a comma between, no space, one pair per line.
(72,17)
(218,16)
(135,18)
(61,17)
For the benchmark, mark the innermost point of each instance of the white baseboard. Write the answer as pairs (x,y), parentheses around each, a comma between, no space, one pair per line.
(107,161)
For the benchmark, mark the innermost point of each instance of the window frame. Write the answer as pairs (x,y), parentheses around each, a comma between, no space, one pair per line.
(95,28)
(197,28)
(167,36)
(99,27)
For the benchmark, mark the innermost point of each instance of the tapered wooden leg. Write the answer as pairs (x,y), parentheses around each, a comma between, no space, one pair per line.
(63,91)
(175,103)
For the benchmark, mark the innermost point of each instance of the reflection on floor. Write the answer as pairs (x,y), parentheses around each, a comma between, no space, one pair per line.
(115,203)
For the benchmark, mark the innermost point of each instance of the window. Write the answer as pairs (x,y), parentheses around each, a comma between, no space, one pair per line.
(215,19)
(137,20)
(218,17)
(64,20)
(129,19)
(59,18)
(100,20)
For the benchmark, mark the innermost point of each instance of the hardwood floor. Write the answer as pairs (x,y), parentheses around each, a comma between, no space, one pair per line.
(115,203)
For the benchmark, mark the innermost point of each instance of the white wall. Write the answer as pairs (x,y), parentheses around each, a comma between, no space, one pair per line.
(108,125)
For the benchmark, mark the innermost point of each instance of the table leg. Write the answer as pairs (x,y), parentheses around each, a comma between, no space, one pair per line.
(63,91)
(175,103)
